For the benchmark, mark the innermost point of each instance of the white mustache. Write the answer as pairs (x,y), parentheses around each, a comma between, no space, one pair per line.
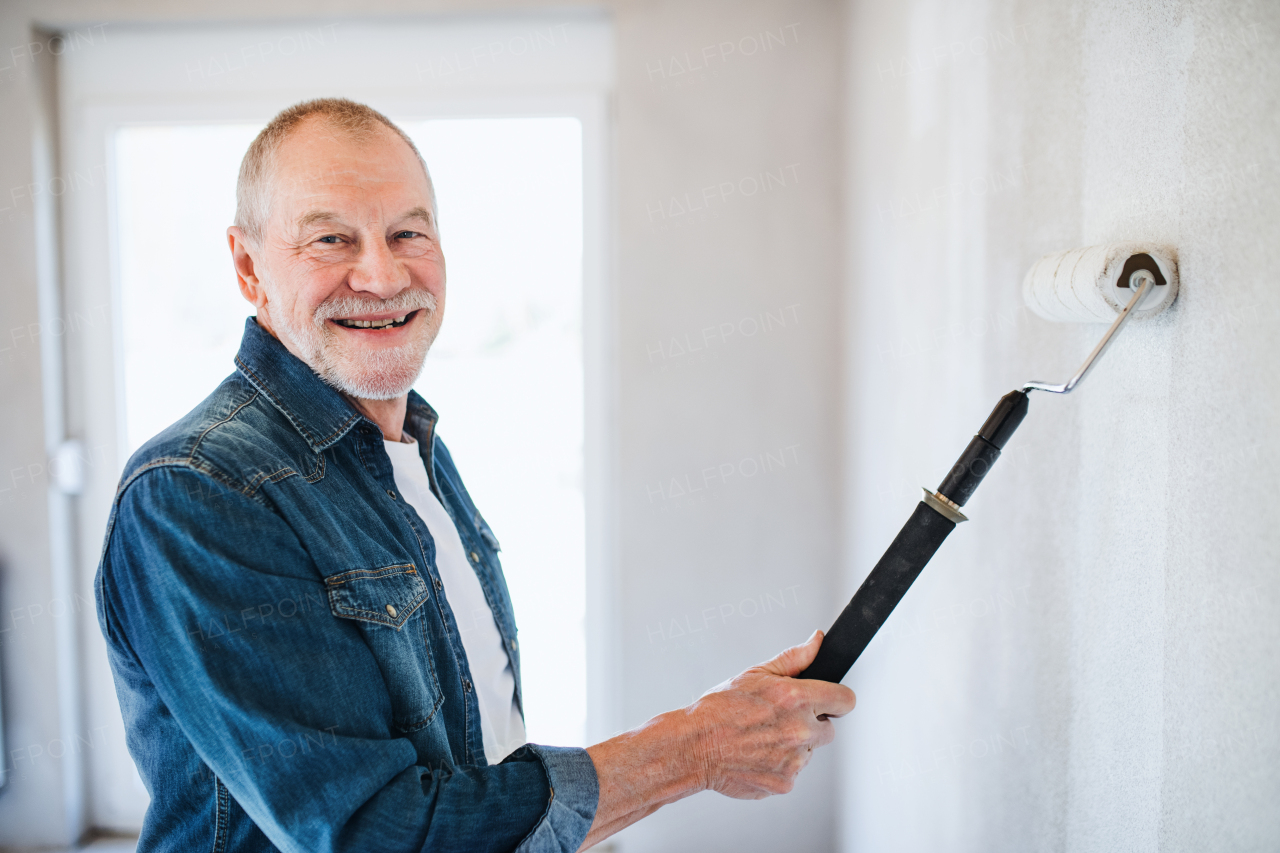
(350,306)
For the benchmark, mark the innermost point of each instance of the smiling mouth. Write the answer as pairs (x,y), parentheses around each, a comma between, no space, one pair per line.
(388,323)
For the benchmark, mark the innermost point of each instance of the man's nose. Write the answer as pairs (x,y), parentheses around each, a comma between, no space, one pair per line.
(377,271)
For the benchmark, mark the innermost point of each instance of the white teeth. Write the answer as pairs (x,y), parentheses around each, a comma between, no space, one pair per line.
(373,324)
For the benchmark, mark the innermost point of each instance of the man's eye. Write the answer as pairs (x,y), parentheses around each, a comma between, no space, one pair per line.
(330,239)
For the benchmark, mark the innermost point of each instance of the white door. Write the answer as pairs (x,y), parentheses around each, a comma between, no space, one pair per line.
(511,115)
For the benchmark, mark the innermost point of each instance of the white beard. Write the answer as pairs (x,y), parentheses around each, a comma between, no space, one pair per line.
(367,375)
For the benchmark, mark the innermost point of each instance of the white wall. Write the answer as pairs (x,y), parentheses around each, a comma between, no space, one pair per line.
(38,701)
(697,565)
(1090,663)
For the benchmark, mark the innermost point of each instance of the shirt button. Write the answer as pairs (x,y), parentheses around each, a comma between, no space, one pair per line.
(436,583)
(391,610)
(475,558)
(466,684)
(513,645)
(391,494)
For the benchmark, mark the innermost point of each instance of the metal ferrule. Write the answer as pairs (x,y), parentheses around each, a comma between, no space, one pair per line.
(944,507)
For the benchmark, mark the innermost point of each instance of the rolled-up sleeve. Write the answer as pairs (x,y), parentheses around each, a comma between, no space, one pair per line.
(575,792)
(292,713)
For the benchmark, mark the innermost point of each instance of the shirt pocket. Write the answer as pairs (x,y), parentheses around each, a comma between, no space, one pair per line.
(386,605)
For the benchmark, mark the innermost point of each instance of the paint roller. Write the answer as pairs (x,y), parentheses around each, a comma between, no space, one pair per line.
(1116,283)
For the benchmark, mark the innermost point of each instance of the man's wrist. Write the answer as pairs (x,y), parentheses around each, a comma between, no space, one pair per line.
(686,740)
(661,761)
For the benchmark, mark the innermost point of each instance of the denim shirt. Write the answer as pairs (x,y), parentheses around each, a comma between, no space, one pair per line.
(290,672)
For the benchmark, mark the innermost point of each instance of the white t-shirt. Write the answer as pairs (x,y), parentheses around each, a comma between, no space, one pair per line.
(495,683)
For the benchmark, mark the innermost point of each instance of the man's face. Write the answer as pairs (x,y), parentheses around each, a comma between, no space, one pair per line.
(350,274)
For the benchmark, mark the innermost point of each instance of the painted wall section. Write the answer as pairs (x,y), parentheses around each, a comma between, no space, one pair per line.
(1090,663)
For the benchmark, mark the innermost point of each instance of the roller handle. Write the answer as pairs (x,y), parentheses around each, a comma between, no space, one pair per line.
(983,451)
(913,547)
(919,538)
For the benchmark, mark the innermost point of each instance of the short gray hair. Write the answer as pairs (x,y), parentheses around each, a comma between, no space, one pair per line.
(257,169)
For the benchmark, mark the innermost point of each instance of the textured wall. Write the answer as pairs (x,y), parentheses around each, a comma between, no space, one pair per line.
(1089,664)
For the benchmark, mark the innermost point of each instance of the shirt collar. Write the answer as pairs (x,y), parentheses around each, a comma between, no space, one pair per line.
(317,411)
(420,419)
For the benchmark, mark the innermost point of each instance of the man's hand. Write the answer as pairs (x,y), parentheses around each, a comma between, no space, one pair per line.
(758,731)
(748,738)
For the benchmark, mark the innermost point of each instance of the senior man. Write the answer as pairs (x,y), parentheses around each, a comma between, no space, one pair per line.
(284,569)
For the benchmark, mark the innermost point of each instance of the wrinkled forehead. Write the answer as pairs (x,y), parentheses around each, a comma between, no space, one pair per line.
(319,163)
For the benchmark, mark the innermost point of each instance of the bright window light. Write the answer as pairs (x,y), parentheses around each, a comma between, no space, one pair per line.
(181,312)
(505,373)
(506,377)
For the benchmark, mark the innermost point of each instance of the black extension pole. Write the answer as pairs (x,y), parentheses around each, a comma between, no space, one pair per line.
(914,545)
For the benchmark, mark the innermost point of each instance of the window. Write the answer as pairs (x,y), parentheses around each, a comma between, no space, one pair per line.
(505,373)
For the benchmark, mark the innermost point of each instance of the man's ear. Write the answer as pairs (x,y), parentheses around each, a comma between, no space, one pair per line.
(242,257)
